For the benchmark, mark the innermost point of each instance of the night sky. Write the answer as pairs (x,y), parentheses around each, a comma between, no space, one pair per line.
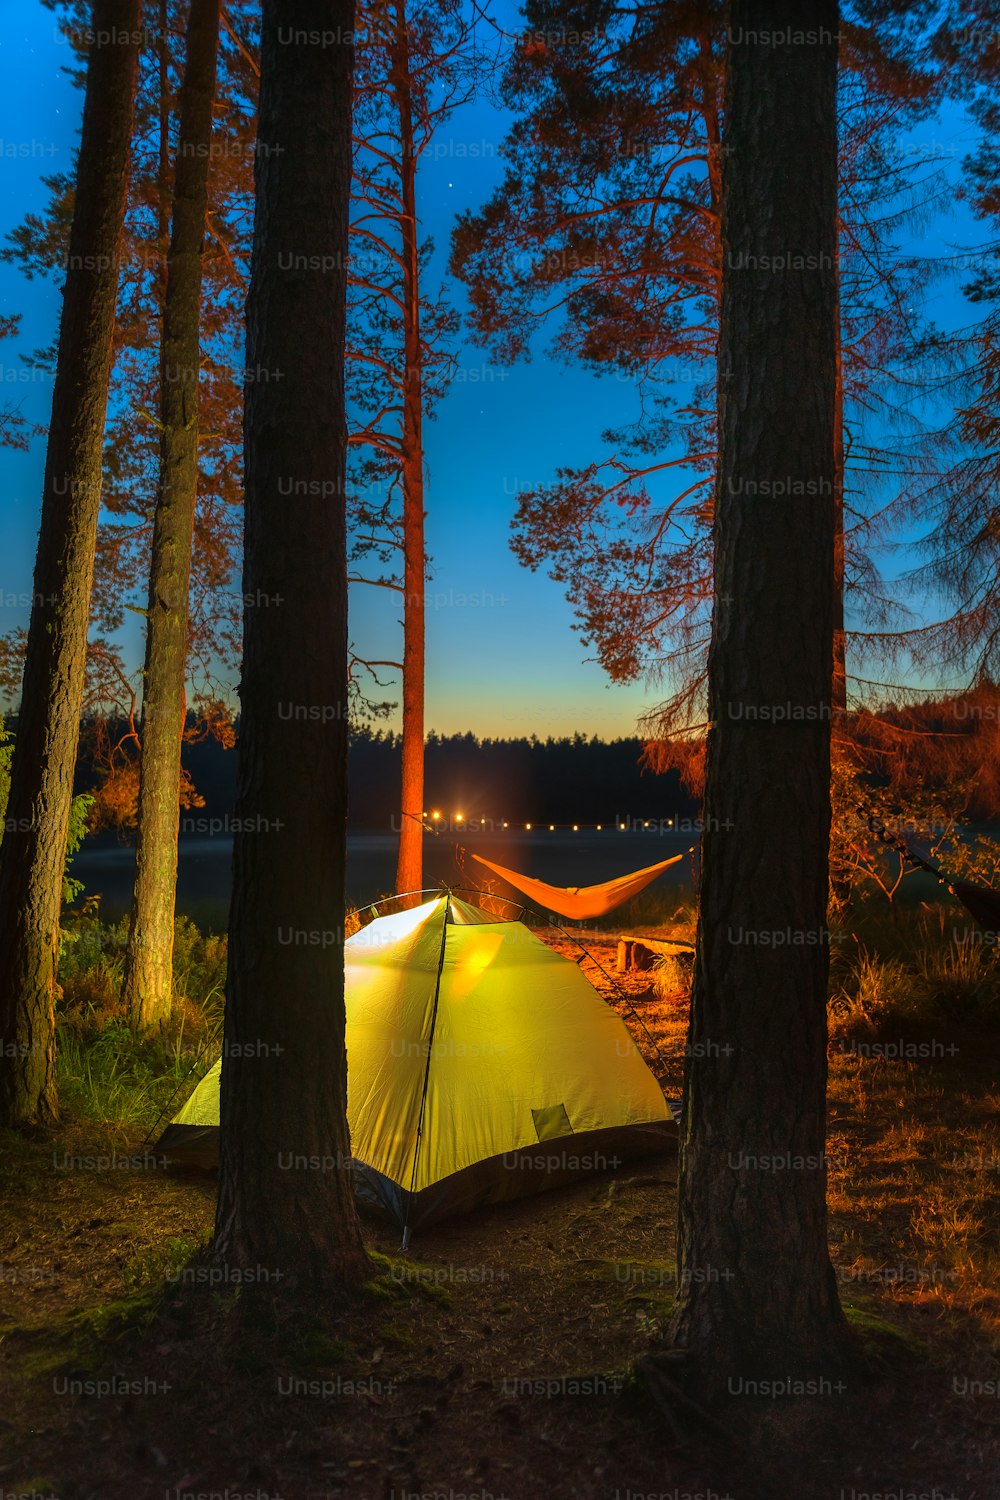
(501,656)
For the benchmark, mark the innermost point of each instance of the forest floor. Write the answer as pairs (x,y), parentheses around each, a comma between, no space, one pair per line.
(494,1360)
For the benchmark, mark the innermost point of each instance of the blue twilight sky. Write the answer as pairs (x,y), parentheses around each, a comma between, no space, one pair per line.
(502,657)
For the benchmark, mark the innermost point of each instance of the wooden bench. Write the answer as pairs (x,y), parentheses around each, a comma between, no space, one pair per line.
(642,952)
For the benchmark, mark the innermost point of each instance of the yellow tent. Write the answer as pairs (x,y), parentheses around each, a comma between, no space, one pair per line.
(482,1065)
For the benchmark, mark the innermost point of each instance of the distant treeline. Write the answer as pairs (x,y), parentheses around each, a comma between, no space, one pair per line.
(948,747)
(524,780)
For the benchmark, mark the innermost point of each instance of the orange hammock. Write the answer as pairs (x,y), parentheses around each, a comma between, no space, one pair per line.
(579,902)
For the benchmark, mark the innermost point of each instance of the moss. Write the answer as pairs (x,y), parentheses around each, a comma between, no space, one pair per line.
(883,1342)
(394,1333)
(316,1349)
(162,1263)
(402,1278)
(79,1341)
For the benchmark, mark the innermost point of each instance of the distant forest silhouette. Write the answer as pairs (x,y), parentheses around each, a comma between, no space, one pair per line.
(947,746)
(564,780)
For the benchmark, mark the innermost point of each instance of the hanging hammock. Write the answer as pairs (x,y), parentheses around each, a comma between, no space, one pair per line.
(982,902)
(581,902)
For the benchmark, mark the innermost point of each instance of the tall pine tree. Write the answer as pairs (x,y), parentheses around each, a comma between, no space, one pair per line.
(33,850)
(758,1297)
(147,986)
(285,1194)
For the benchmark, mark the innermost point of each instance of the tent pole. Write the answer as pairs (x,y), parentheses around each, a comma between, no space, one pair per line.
(427,1072)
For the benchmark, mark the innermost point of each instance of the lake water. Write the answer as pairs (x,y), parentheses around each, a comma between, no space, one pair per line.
(561,858)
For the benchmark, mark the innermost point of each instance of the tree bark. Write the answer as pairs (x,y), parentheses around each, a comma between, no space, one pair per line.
(33,851)
(163,155)
(840,882)
(839,460)
(147,985)
(757,1295)
(409,866)
(285,1197)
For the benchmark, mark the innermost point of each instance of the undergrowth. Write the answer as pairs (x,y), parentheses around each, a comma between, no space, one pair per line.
(916,971)
(106,1070)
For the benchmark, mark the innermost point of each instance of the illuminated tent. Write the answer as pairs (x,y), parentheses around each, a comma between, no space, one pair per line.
(482,1066)
(581,902)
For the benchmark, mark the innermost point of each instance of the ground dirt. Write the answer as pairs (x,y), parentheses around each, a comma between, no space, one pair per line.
(494,1360)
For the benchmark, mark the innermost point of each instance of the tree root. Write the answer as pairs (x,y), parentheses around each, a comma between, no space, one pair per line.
(661,1374)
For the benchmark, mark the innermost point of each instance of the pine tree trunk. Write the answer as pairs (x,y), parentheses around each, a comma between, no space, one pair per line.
(163,155)
(147,981)
(409,867)
(757,1296)
(33,851)
(285,1197)
(841,884)
(839,460)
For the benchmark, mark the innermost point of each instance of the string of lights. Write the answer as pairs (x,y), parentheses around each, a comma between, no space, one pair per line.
(437,821)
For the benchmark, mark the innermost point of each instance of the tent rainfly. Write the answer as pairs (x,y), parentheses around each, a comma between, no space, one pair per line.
(482,1066)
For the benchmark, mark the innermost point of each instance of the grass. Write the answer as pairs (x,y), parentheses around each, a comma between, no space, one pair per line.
(151,1268)
(899,983)
(107,1072)
(866,992)
(121,1080)
(587,1280)
(913,971)
(671,976)
(960,978)
(914,1189)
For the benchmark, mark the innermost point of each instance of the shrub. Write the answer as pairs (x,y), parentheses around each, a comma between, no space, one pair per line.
(199,967)
(672,976)
(961,979)
(866,992)
(91,960)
